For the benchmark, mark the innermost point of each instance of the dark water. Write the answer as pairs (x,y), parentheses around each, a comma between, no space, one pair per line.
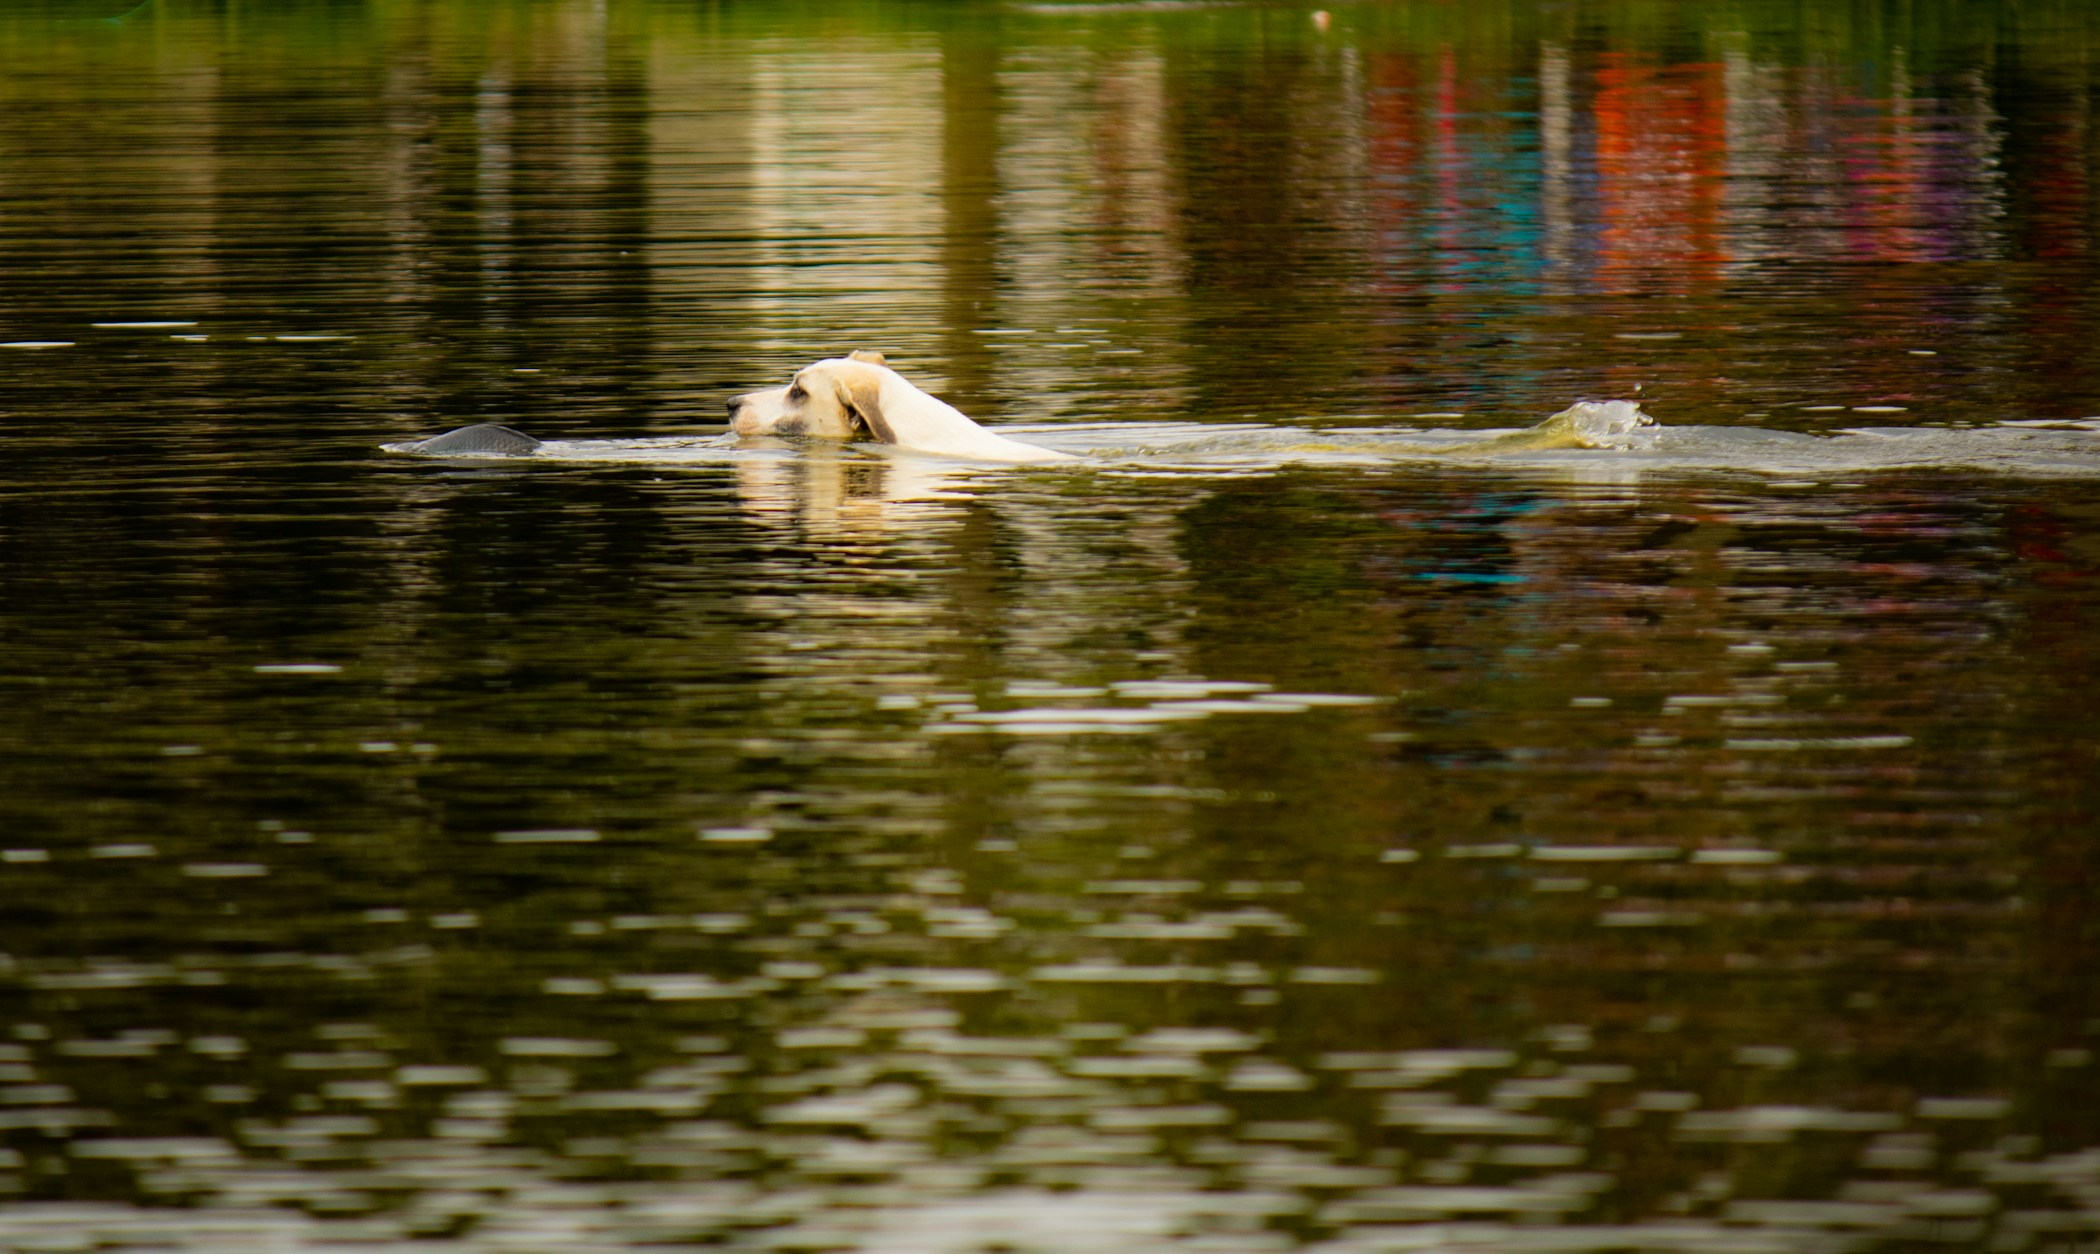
(799,850)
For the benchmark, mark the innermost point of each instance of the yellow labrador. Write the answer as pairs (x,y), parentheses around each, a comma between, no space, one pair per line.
(843,398)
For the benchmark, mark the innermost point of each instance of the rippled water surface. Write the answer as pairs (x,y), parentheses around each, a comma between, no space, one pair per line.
(1311,819)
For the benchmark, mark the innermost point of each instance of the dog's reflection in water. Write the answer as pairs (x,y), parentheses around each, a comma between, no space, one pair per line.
(848,493)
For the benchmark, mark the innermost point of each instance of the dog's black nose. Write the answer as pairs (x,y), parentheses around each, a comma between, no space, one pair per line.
(735,403)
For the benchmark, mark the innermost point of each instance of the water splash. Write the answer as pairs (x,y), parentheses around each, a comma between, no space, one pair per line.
(1603,424)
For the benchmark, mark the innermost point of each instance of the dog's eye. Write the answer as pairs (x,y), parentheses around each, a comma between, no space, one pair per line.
(795,393)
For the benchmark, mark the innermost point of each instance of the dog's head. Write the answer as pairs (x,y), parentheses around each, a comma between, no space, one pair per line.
(839,398)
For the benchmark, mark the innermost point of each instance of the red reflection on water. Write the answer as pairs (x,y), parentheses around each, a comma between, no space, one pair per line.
(1890,180)
(1393,152)
(1450,168)
(1662,146)
(2044,538)
(2060,187)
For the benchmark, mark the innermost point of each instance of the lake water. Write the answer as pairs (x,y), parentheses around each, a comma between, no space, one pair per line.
(1282,828)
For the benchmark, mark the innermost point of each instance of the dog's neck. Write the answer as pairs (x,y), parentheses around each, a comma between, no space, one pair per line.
(910,404)
(922,421)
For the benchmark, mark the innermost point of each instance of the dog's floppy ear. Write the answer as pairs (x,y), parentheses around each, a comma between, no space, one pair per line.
(868,355)
(862,397)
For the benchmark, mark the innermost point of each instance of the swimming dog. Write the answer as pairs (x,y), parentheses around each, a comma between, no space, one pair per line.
(841,398)
(858,395)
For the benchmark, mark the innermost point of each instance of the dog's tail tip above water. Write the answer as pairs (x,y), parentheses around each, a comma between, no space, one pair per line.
(483,438)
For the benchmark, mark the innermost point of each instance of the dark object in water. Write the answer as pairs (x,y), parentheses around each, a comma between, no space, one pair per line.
(482,437)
